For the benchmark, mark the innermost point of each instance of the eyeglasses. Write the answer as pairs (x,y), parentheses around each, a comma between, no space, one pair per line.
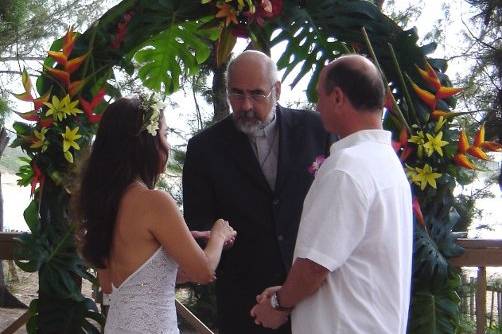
(255,97)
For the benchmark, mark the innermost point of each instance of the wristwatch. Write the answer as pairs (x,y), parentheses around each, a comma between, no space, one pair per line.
(276,305)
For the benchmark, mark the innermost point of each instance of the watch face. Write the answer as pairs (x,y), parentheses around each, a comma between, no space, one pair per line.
(274,302)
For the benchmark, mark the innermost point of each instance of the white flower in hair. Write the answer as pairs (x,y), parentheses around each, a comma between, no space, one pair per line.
(152,109)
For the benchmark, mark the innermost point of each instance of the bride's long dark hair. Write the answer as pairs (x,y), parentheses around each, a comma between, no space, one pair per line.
(122,152)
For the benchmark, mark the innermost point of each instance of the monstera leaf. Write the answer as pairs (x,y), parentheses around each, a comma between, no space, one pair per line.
(176,52)
(435,313)
(306,45)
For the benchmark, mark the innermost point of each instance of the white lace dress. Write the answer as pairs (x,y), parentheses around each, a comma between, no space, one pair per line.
(144,302)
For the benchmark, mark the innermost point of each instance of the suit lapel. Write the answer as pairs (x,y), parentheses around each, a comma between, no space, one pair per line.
(289,137)
(237,144)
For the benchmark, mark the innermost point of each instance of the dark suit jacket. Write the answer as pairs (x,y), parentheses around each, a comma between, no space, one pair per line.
(222,179)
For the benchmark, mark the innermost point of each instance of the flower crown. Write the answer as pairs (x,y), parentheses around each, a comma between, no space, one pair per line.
(151,108)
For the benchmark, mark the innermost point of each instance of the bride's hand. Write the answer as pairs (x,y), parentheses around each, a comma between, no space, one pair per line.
(221,227)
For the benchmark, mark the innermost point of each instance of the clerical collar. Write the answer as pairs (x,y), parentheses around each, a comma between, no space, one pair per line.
(267,130)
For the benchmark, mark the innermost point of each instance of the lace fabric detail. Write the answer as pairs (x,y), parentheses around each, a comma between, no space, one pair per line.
(144,302)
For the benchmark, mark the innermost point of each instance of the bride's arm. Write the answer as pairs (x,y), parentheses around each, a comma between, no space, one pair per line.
(168,227)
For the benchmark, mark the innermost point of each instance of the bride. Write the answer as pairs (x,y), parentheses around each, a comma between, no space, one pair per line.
(133,234)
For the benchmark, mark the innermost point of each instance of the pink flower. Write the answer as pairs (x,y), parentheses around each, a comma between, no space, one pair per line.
(316,164)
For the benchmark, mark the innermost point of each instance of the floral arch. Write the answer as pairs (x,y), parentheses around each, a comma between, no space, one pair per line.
(164,40)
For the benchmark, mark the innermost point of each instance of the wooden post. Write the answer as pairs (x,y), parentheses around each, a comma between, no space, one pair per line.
(464,294)
(481,301)
(492,291)
(471,297)
(499,307)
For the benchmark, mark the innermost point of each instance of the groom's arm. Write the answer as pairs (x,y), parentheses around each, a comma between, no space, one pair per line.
(304,279)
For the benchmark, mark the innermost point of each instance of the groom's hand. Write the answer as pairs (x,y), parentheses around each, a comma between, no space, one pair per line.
(266,316)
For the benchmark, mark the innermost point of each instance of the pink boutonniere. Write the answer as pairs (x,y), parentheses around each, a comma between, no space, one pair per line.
(316,164)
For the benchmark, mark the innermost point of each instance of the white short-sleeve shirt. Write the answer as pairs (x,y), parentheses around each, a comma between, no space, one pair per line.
(357,222)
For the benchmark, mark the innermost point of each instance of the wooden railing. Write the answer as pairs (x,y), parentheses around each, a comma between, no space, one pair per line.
(480,253)
(7,246)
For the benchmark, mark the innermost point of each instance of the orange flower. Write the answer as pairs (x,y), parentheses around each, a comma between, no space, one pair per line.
(463,161)
(477,152)
(463,142)
(227,12)
(429,76)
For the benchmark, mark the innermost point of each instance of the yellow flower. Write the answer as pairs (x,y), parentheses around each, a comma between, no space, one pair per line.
(41,141)
(424,176)
(70,107)
(441,121)
(69,138)
(56,109)
(435,144)
(419,140)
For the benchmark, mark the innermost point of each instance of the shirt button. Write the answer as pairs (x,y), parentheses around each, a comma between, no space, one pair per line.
(275,201)
(280,237)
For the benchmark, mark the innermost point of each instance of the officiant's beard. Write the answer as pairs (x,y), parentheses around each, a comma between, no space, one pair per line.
(249,123)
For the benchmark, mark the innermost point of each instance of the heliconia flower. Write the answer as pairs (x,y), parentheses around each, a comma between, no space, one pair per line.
(491,146)
(226,12)
(319,160)
(29,116)
(38,177)
(463,161)
(402,144)
(69,42)
(90,106)
(74,64)
(59,57)
(425,176)
(479,138)
(121,30)
(427,97)
(435,144)
(477,152)
(76,86)
(26,95)
(463,142)
(435,114)
(46,122)
(429,76)
(61,75)
(445,92)
(40,140)
(56,108)
(42,99)
(417,211)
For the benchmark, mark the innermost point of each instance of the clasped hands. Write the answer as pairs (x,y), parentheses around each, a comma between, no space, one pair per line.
(264,314)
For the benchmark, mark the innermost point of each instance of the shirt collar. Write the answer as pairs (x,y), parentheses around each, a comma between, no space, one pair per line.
(371,135)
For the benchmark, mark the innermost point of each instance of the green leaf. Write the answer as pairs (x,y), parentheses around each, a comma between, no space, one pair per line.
(435,312)
(175,52)
(31,216)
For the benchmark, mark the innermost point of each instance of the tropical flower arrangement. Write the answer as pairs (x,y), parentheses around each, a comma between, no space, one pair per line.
(429,149)
(240,13)
(62,120)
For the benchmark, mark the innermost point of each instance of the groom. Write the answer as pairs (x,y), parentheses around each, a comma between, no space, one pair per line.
(352,267)
(252,169)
